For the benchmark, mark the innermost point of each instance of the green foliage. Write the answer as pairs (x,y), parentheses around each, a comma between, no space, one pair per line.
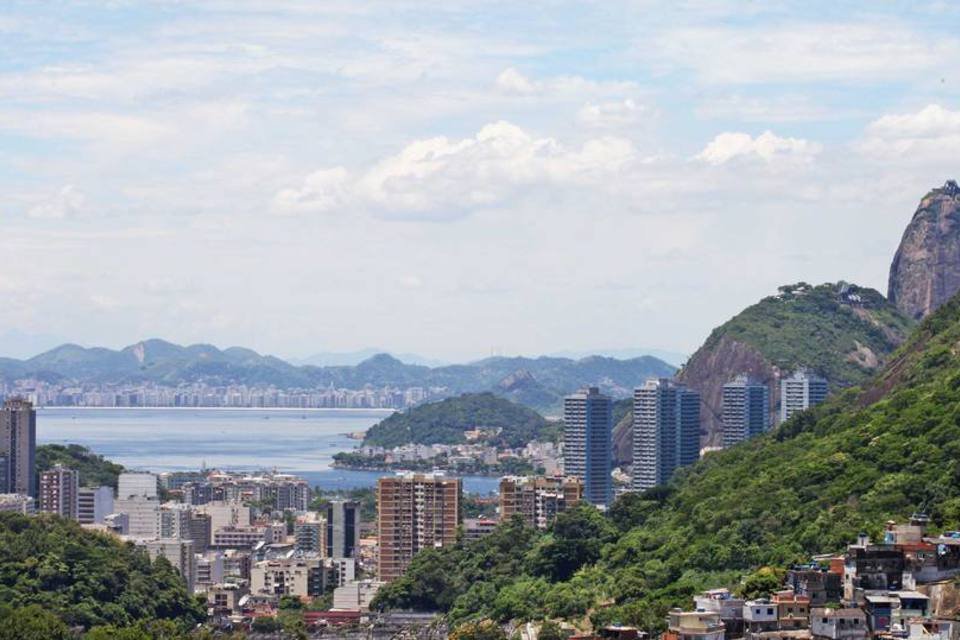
(481,630)
(31,623)
(811,327)
(550,630)
(95,470)
(761,583)
(576,538)
(266,624)
(808,487)
(444,422)
(87,578)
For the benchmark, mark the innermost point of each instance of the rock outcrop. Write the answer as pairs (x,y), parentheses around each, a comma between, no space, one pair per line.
(926,268)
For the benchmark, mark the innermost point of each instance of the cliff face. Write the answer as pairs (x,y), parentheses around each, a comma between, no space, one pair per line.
(926,268)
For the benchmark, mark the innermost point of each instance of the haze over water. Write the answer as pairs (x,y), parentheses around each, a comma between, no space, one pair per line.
(301,442)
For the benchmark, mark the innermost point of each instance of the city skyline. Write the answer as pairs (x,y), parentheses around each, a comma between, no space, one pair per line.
(369,161)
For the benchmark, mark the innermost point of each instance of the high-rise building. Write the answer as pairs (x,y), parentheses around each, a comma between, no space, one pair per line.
(666,431)
(746,409)
(18,447)
(800,391)
(60,492)
(538,500)
(416,511)
(94,504)
(137,484)
(310,535)
(343,529)
(587,448)
(137,498)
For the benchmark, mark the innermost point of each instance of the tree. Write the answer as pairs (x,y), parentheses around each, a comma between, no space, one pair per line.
(550,630)
(761,583)
(266,624)
(482,630)
(576,538)
(32,623)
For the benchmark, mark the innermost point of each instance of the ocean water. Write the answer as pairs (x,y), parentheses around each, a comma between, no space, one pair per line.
(301,442)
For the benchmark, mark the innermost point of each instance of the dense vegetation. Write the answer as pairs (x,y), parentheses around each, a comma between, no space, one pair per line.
(95,470)
(808,487)
(810,327)
(86,578)
(444,422)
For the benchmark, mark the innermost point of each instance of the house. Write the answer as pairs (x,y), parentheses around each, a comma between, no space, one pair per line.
(729,608)
(821,586)
(694,625)
(871,567)
(759,616)
(793,610)
(838,624)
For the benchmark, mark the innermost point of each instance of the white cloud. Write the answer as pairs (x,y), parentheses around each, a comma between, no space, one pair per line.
(616,114)
(512,82)
(444,178)
(930,133)
(804,52)
(321,191)
(767,147)
(66,202)
(931,121)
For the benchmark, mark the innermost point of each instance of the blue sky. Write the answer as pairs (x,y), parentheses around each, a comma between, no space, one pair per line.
(455,180)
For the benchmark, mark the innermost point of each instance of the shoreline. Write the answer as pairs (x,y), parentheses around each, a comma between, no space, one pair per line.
(343,467)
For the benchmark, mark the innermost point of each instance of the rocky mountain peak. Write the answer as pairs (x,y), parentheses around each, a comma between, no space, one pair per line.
(926,268)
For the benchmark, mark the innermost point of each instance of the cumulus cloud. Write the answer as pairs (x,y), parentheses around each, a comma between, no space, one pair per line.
(68,201)
(444,178)
(767,147)
(931,133)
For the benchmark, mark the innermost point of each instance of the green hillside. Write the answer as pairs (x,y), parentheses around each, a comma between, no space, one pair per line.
(95,470)
(816,328)
(85,578)
(807,487)
(444,422)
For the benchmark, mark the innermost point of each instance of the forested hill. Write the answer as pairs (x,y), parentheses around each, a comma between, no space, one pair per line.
(444,422)
(95,470)
(810,486)
(86,579)
(840,331)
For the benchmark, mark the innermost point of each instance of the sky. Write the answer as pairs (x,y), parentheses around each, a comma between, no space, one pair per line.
(455,179)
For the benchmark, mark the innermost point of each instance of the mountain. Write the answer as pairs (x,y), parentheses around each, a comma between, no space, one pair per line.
(865,456)
(926,268)
(542,383)
(352,358)
(842,332)
(444,422)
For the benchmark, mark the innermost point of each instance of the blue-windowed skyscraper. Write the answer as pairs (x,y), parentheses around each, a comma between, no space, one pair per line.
(666,431)
(746,409)
(587,446)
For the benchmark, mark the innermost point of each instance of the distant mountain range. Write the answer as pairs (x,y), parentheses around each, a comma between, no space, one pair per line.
(535,382)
